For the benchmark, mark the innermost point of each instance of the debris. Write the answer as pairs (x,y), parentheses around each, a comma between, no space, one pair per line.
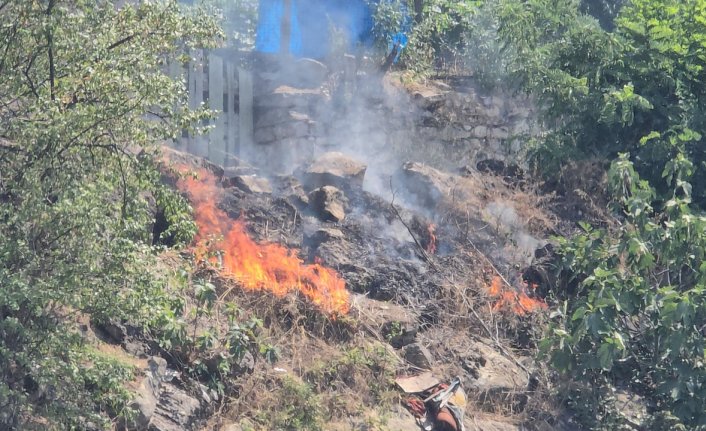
(440,407)
(419,383)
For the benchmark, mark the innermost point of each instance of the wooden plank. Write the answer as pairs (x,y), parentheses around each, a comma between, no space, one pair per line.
(232,116)
(216,144)
(198,144)
(245,102)
(176,71)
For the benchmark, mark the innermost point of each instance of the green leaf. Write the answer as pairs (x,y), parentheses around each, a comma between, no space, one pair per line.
(605,356)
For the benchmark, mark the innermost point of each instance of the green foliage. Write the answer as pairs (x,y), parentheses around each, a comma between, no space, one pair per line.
(635,95)
(374,360)
(638,89)
(238,18)
(300,408)
(605,11)
(449,36)
(641,302)
(83,103)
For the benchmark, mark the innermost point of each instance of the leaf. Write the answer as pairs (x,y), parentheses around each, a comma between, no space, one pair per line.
(651,136)
(605,356)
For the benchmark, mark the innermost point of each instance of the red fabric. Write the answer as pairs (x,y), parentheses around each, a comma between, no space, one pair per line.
(416,407)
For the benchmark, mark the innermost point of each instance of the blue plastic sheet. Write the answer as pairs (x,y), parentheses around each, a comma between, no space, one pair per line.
(309,23)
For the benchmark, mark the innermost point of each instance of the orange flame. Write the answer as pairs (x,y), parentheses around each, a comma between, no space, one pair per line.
(517,302)
(431,246)
(270,267)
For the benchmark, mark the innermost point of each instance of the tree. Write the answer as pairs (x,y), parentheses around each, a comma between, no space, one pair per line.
(84,101)
(634,310)
(636,90)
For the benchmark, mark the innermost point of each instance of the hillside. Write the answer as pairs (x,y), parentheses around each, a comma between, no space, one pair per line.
(396,215)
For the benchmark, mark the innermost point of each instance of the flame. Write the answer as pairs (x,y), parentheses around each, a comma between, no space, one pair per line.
(516,301)
(268,266)
(431,245)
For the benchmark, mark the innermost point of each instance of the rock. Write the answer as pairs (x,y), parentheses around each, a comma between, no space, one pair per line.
(177,410)
(335,169)
(291,98)
(498,381)
(251,184)
(172,157)
(328,203)
(309,73)
(480,131)
(112,332)
(148,392)
(290,130)
(323,235)
(418,383)
(246,363)
(499,133)
(417,355)
(428,184)
(289,187)
(273,117)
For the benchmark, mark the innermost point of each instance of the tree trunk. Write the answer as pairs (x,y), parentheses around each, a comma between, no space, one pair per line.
(418,9)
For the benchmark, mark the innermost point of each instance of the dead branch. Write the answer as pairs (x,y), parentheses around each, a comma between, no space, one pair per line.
(422,251)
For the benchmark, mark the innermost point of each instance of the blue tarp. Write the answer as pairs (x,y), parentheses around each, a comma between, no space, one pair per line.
(309,22)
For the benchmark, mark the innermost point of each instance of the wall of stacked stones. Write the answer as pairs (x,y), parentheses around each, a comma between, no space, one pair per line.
(293,112)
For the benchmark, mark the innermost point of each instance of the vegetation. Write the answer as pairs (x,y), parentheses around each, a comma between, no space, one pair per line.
(632,312)
(84,100)
(620,81)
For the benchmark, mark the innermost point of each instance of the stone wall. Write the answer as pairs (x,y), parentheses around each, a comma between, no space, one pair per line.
(304,110)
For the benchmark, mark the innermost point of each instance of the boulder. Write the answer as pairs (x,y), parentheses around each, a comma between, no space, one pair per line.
(288,97)
(495,379)
(429,185)
(148,392)
(417,355)
(177,410)
(309,72)
(176,158)
(273,117)
(335,169)
(396,324)
(328,203)
(290,187)
(323,235)
(250,184)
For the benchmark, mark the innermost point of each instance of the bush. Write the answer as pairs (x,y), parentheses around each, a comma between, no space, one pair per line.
(84,102)
(637,315)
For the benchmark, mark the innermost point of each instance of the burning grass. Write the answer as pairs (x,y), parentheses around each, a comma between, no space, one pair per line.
(516,301)
(270,267)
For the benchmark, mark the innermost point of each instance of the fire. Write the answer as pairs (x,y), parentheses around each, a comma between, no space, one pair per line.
(431,245)
(518,302)
(270,267)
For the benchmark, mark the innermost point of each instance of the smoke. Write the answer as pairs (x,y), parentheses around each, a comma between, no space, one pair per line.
(339,100)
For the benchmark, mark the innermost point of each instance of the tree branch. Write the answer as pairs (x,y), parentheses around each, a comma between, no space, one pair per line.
(50,43)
